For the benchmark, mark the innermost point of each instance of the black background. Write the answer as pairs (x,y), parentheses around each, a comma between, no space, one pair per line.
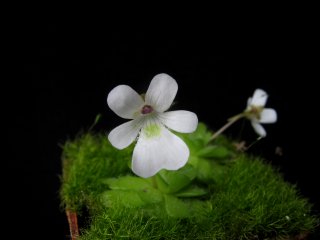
(63,73)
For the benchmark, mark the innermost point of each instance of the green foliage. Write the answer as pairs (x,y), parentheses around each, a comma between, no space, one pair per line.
(86,162)
(219,194)
(174,181)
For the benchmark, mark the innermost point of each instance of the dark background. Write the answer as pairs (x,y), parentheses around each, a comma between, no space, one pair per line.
(63,73)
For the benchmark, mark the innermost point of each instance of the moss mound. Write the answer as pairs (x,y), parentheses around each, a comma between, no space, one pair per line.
(219,194)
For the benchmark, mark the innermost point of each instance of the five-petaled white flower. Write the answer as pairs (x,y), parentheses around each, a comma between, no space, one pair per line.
(157,148)
(256,112)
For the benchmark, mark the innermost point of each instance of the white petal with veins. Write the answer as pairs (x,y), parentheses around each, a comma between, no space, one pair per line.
(161,92)
(123,135)
(180,121)
(259,98)
(165,151)
(125,101)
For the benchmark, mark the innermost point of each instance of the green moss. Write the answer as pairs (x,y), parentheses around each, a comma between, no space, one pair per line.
(219,194)
(86,161)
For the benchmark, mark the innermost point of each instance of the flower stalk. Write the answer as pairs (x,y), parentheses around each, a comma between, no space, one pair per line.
(231,121)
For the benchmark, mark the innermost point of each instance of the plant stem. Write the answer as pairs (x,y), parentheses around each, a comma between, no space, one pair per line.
(231,121)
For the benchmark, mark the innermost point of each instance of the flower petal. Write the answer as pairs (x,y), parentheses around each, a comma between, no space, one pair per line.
(161,92)
(259,98)
(123,135)
(268,115)
(151,154)
(180,121)
(125,101)
(258,128)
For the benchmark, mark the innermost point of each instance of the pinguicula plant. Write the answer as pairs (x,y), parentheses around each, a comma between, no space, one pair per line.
(188,183)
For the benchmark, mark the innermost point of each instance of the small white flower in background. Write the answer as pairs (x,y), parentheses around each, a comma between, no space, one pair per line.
(157,148)
(258,114)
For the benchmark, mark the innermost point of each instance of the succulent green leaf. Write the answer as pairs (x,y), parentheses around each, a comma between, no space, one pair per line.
(192,191)
(129,199)
(214,152)
(128,183)
(138,188)
(175,207)
(173,181)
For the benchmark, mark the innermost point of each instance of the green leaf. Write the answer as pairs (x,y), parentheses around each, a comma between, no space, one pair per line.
(192,191)
(193,161)
(214,152)
(210,171)
(198,139)
(151,195)
(205,170)
(138,188)
(161,184)
(128,183)
(173,181)
(130,199)
(175,207)
(202,133)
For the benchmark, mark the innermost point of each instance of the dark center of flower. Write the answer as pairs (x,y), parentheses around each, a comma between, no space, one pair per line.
(146,109)
(255,111)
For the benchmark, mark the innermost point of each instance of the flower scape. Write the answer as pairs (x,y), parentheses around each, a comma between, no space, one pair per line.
(164,175)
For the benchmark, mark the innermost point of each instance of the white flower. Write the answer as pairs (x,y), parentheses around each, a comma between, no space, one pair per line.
(157,148)
(258,114)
